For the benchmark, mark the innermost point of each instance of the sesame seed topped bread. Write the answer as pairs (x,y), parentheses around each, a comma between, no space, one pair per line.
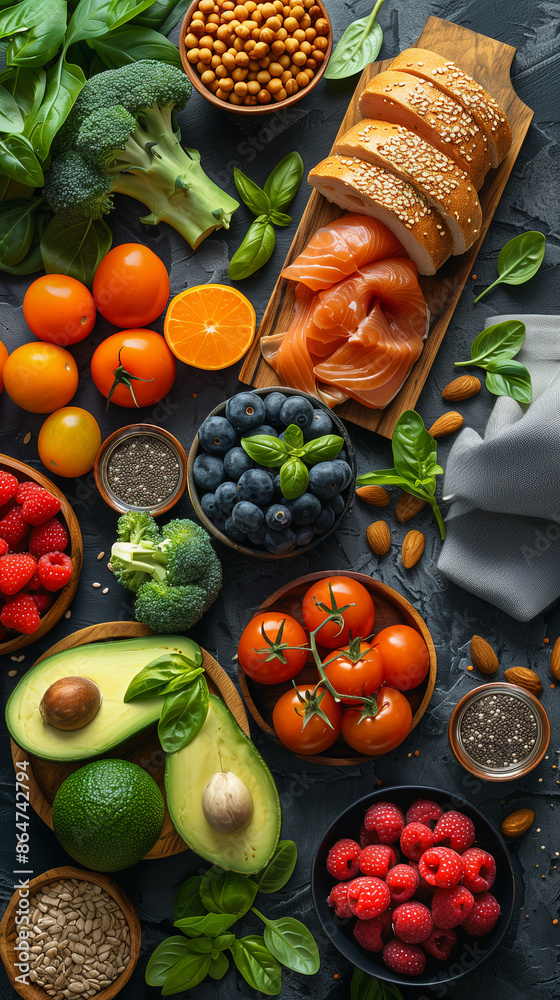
(358,186)
(418,105)
(434,174)
(448,77)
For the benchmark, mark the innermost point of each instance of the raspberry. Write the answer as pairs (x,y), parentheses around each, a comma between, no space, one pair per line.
(483,916)
(42,602)
(338,898)
(48,537)
(440,943)
(8,486)
(21,614)
(13,528)
(39,506)
(412,922)
(368,897)
(55,570)
(403,881)
(406,959)
(387,821)
(415,839)
(441,866)
(454,830)
(367,837)
(451,907)
(15,571)
(479,869)
(342,859)
(377,859)
(3,547)
(25,489)
(369,933)
(424,811)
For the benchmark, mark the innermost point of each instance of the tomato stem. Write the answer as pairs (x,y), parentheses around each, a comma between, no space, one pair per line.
(123,377)
(370,705)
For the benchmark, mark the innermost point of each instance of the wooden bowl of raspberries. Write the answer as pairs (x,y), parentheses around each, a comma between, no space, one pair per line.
(41,554)
(413,885)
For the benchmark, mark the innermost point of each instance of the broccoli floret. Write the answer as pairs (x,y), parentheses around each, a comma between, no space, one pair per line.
(170,609)
(185,543)
(137,527)
(121,137)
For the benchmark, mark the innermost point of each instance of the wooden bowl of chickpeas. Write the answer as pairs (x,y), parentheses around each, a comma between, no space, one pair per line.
(252,57)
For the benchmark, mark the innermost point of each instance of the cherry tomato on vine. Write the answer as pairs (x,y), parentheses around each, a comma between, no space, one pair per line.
(133,368)
(333,592)
(40,377)
(68,441)
(404,656)
(288,718)
(131,285)
(3,358)
(382,732)
(356,670)
(59,309)
(262,648)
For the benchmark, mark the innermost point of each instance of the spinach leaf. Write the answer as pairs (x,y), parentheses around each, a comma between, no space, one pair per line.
(188,972)
(89,20)
(129,44)
(121,11)
(280,868)
(75,249)
(159,12)
(265,449)
(187,902)
(359,45)
(283,182)
(64,82)
(19,17)
(32,260)
(218,966)
(253,196)
(162,960)
(27,87)
(291,943)
(11,119)
(509,379)
(227,892)
(177,11)
(255,250)
(518,260)
(293,439)
(19,161)
(210,925)
(183,715)
(294,478)
(502,340)
(17,226)
(322,449)
(35,47)
(257,966)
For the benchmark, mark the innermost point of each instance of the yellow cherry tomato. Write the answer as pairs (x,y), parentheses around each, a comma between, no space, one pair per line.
(69,441)
(40,377)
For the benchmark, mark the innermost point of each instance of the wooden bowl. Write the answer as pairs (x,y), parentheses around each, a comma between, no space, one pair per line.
(390,609)
(347,493)
(64,596)
(8,954)
(46,776)
(257,109)
(116,438)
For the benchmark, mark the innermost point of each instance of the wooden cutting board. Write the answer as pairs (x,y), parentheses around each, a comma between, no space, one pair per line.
(489,62)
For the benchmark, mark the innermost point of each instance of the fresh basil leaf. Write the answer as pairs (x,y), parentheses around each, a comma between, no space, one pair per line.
(359,45)
(364,987)
(414,449)
(227,892)
(322,449)
(121,11)
(219,966)
(27,87)
(165,956)
(177,662)
(518,260)
(279,869)
(223,941)
(187,902)
(279,218)
(17,227)
(64,82)
(265,449)
(200,945)
(210,925)
(154,681)
(89,20)
(291,943)
(283,182)
(294,478)
(499,340)
(19,17)
(76,248)
(293,438)
(188,972)
(511,379)
(11,119)
(254,251)
(34,48)
(179,681)
(380,477)
(253,196)
(257,966)
(129,44)
(183,715)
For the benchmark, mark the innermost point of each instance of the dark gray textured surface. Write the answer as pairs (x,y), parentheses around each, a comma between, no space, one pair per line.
(527,963)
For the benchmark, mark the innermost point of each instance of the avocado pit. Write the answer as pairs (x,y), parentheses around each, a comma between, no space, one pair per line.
(227,802)
(70,703)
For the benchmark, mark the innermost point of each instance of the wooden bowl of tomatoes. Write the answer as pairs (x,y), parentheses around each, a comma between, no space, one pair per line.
(392,669)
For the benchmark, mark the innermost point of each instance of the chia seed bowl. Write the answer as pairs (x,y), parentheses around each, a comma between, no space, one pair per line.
(141,467)
(499,731)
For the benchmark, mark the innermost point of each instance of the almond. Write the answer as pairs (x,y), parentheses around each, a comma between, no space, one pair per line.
(461,388)
(518,822)
(555,661)
(379,537)
(448,423)
(377,496)
(412,548)
(408,506)
(525,678)
(483,656)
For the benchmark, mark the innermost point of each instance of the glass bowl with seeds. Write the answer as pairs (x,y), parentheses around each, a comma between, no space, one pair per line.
(141,467)
(81,938)
(499,731)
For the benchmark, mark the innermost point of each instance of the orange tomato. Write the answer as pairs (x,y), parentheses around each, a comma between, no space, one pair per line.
(59,309)
(131,285)
(3,357)
(40,377)
(69,441)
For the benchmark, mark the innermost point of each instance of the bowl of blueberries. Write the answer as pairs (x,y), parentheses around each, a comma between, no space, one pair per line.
(271,472)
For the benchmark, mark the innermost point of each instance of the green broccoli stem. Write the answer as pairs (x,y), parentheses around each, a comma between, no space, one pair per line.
(142,558)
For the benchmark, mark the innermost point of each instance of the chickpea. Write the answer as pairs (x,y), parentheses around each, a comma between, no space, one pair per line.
(306,47)
(253,87)
(291,45)
(291,25)
(322,26)
(321,43)
(199,16)
(268,10)
(242,59)
(251,76)
(281,95)
(198,28)
(249,45)
(226,84)
(263,77)
(206,6)
(310,72)
(254,66)
(298,12)
(192,55)
(228,61)
(308,4)
(228,16)
(216,61)
(211,29)
(277,48)
(314,12)
(243,32)
(241,12)
(263,97)
(251,6)
(299,35)
(256,34)
(208,77)
(302,79)
(228,5)
(257,17)
(213,19)
(273,86)
(286,11)
(310,34)
(299,58)
(221,94)
(282,35)
(234,99)
(317,57)
(291,87)
(240,89)
(200,67)
(285,60)
(238,74)
(224,33)
(250,100)
(274,23)
(251,25)
(279,4)
(275,69)
(305,22)
(220,47)
(206,42)
(221,71)
(265,63)
(191,41)
(286,75)
(238,44)
(260,51)
(266,35)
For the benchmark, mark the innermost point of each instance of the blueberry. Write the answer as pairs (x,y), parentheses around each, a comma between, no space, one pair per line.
(219,521)
(342,455)
(208,471)
(280,542)
(273,404)
(209,505)
(236,462)
(278,517)
(296,410)
(216,435)
(247,516)
(320,424)
(263,429)
(277,487)
(258,537)
(337,504)
(233,532)
(245,411)
(305,508)
(256,486)
(326,479)
(226,497)
(325,521)
(305,535)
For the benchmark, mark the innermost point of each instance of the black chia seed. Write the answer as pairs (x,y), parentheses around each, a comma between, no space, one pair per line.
(499,730)
(143,471)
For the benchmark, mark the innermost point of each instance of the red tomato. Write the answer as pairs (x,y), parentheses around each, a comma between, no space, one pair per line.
(264,632)
(59,309)
(354,676)
(404,655)
(358,618)
(139,355)
(288,716)
(383,732)
(131,285)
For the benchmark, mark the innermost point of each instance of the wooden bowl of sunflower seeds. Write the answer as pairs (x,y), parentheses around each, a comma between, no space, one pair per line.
(70,935)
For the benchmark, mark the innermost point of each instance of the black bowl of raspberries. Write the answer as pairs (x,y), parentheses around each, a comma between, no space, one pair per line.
(413,885)
(271,472)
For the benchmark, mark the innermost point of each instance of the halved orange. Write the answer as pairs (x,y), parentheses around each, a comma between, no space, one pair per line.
(209,326)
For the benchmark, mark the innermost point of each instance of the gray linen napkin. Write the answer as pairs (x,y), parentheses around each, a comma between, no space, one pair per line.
(503,529)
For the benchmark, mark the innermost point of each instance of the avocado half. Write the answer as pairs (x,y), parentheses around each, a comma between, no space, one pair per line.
(112,665)
(222,746)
